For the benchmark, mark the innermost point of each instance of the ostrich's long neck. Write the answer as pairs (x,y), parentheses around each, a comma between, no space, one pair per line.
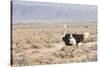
(64,30)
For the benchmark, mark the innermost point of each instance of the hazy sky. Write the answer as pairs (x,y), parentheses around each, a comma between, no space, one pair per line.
(25,11)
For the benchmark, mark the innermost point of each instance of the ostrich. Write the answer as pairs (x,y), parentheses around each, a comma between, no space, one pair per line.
(74,39)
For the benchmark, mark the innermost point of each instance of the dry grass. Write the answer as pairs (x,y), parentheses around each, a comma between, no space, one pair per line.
(41,44)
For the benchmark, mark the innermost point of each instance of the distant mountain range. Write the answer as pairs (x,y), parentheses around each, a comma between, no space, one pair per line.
(28,11)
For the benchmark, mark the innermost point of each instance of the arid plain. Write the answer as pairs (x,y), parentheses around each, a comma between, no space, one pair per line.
(41,43)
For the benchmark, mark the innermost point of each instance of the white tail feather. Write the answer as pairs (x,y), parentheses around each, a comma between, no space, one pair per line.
(86,35)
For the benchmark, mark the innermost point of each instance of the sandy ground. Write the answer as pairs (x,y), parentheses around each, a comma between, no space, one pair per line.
(41,43)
